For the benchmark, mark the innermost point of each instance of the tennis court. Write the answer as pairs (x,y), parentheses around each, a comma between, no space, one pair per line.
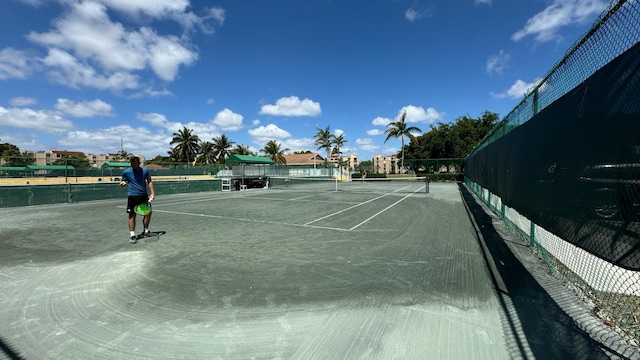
(373,271)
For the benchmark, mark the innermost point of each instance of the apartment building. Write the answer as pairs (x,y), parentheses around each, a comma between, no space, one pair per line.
(386,164)
(351,161)
(43,157)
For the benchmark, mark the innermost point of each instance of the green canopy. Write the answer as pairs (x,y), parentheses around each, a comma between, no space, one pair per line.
(12,168)
(116,164)
(248,159)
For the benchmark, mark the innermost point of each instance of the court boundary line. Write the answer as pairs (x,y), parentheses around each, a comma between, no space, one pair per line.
(380,212)
(251,220)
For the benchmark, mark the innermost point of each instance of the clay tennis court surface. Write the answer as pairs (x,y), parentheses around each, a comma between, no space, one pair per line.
(271,274)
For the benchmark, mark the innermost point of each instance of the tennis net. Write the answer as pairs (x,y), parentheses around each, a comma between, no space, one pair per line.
(378,185)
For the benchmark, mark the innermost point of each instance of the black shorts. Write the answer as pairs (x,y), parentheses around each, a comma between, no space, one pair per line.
(133,201)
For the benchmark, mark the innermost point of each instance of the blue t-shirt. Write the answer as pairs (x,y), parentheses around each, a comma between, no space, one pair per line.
(137,180)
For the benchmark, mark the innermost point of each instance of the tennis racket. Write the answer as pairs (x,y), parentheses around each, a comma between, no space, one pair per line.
(143,209)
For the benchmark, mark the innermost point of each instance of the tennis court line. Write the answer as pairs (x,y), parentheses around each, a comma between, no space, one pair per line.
(250,220)
(366,202)
(381,211)
(346,209)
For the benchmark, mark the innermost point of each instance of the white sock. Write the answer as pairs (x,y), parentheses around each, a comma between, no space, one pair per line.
(146,230)
(133,233)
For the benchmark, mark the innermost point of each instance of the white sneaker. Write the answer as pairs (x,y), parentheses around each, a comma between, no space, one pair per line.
(133,239)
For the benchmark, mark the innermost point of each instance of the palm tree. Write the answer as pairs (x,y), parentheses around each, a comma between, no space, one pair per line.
(207,153)
(222,145)
(241,150)
(338,143)
(399,129)
(272,149)
(122,155)
(187,144)
(324,140)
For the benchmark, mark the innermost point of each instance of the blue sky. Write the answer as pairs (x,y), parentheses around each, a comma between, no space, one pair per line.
(88,75)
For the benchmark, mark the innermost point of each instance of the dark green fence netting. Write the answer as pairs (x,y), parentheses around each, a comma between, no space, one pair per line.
(574,168)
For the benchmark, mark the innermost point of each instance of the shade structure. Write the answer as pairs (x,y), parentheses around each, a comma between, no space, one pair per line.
(248,159)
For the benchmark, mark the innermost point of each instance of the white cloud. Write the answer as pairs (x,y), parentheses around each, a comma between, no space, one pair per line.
(85,108)
(36,120)
(496,64)
(154,119)
(227,120)
(545,25)
(381,121)
(300,144)
(135,140)
(14,64)
(263,134)
(413,13)
(366,144)
(516,91)
(482,2)
(22,101)
(292,106)
(417,114)
(375,132)
(67,70)
(86,47)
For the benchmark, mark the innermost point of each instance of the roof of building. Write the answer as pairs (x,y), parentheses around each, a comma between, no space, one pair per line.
(299,159)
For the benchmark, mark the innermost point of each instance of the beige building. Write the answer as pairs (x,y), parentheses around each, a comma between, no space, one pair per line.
(351,161)
(49,157)
(386,164)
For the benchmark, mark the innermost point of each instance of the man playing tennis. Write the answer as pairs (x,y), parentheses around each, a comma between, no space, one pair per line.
(137,177)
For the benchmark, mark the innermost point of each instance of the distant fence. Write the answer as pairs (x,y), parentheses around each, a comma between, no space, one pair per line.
(27,195)
(563,168)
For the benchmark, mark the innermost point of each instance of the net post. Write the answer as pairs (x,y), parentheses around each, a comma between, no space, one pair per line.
(426,181)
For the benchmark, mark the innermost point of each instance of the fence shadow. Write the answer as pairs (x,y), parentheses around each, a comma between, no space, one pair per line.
(547,332)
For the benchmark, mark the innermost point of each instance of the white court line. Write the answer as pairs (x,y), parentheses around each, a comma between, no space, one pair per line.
(381,211)
(366,202)
(250,220)
(349,208)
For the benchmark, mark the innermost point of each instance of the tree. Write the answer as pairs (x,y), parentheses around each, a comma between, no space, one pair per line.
(324,140)
(221,146)
(241,150)
(366,165)
(123,155)
(207,153)
(399,129)
(338,143)
(452,140)
(77,161)
(187,145)
(273,151)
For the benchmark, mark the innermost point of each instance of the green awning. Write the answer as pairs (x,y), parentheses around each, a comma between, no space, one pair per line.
(49,167)
(116,164)
(248,159)
(12,168)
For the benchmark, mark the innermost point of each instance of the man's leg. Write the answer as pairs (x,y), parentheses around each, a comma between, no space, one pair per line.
(146,220)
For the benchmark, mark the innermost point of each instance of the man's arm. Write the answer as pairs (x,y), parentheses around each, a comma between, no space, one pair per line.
(153,193)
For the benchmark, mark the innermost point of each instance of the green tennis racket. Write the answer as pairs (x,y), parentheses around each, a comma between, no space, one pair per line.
(143,209)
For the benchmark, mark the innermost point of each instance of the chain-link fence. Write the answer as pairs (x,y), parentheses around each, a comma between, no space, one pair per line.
(563,168)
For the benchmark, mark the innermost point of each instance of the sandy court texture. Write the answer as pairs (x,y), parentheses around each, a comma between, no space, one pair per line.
(265,274)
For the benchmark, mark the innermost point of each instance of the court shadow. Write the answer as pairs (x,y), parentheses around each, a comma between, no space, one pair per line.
(549,333)
(8,351)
